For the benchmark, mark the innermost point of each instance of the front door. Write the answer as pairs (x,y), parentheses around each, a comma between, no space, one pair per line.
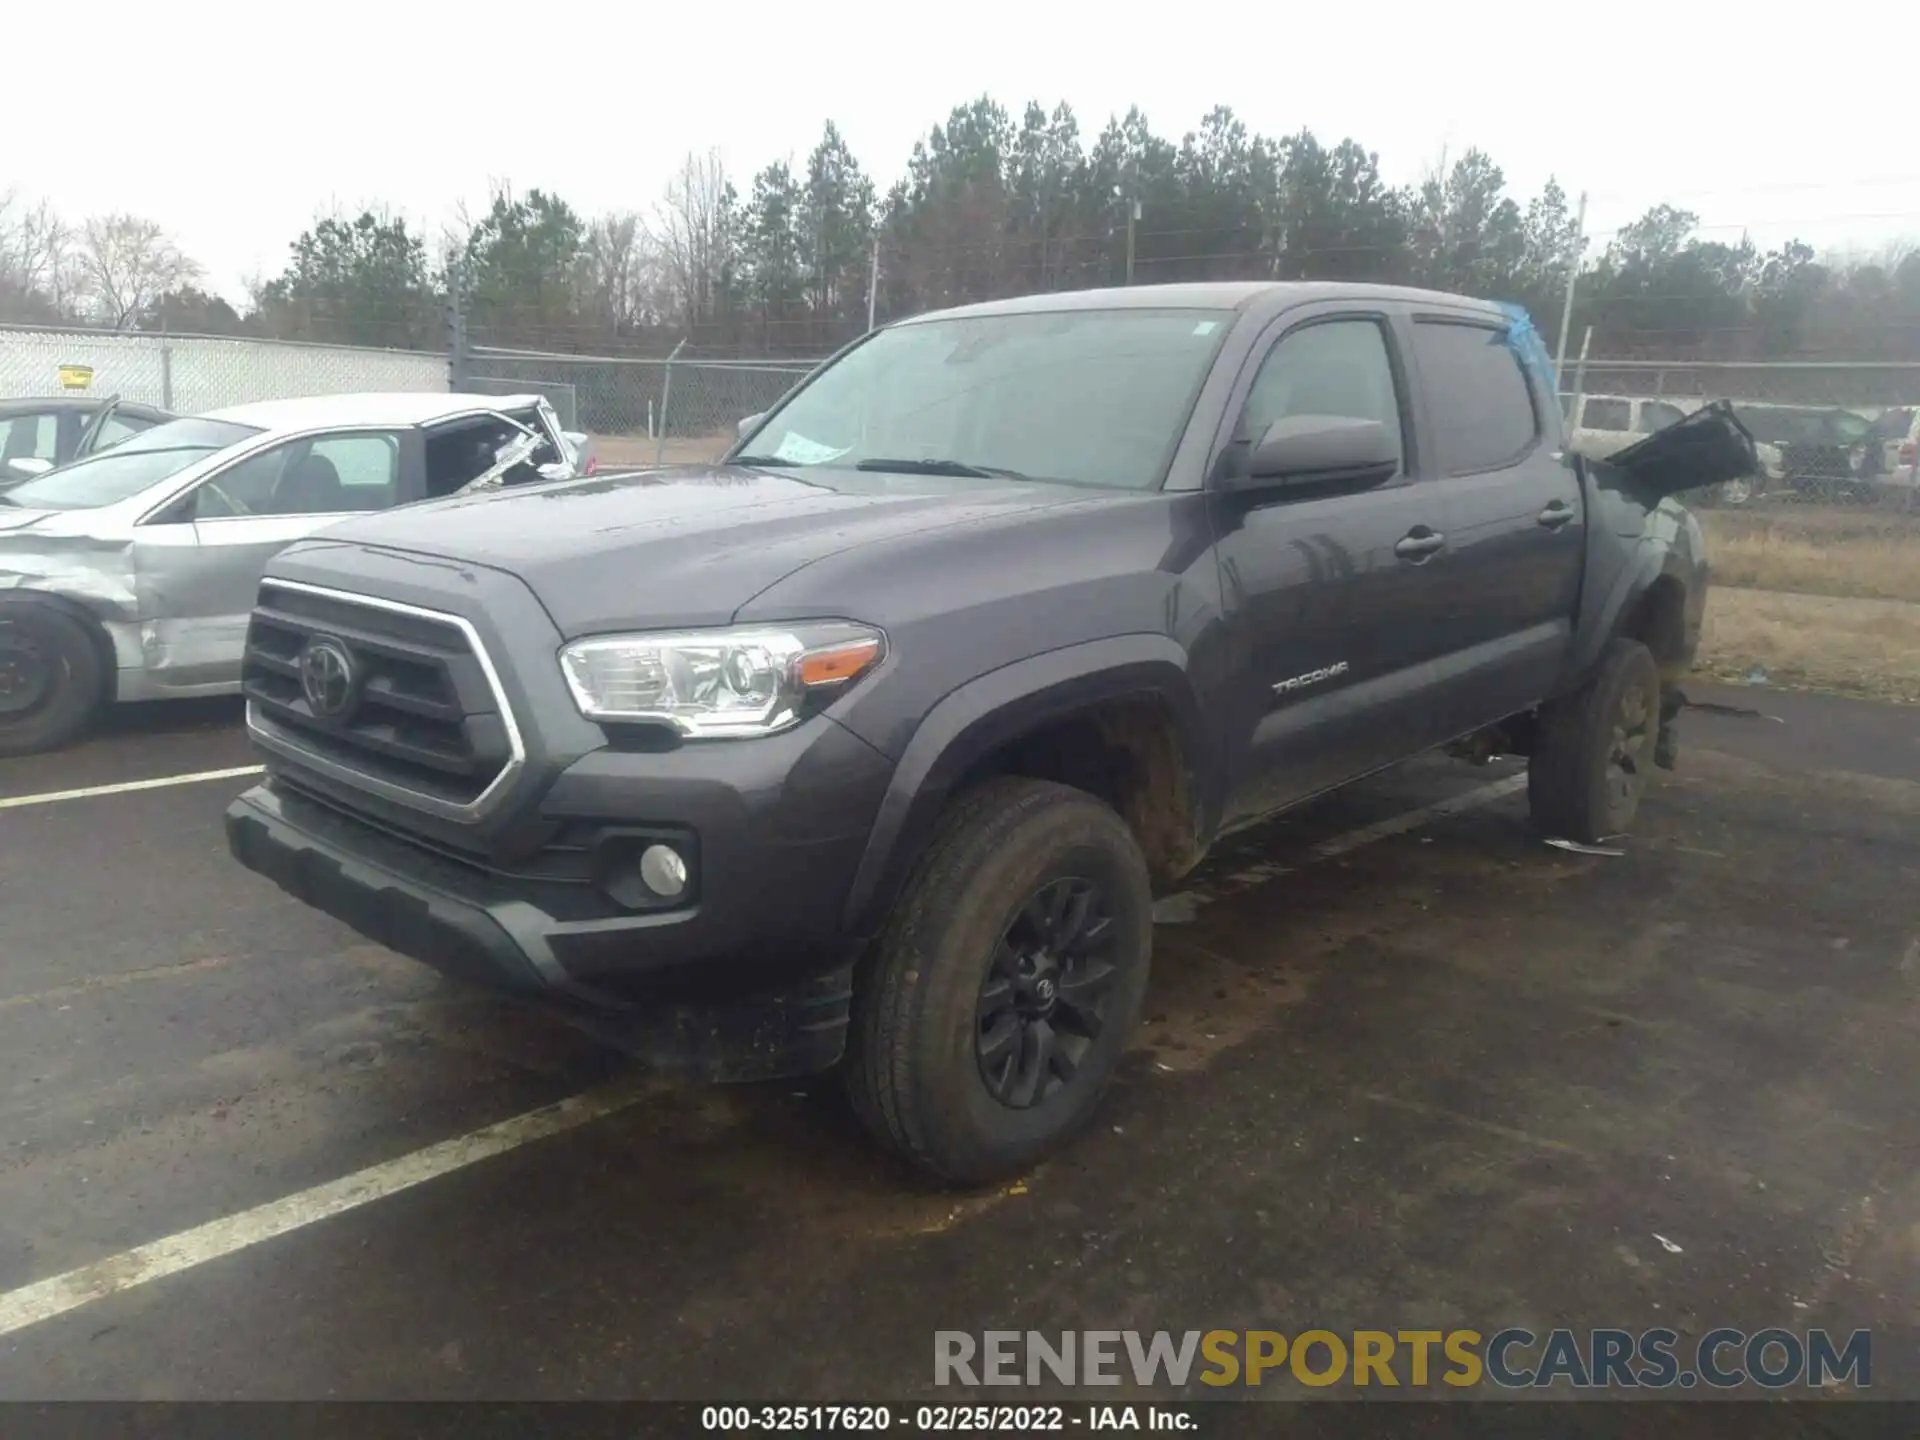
(1332,591)
(199,564)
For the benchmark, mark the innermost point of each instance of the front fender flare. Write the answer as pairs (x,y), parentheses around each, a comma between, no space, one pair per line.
(987,712)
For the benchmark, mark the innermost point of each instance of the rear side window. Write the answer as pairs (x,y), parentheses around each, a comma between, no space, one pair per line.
(1482,410)
(118,427)
(1657,415)
(1604,414)
(30,437)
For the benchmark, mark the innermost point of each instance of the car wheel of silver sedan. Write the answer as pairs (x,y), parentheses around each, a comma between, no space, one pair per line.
(52,676)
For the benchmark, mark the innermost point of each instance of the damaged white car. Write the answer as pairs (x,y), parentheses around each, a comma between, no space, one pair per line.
(129,575)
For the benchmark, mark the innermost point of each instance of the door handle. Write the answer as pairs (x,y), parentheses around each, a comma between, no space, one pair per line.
(1419,543)
(1555,515)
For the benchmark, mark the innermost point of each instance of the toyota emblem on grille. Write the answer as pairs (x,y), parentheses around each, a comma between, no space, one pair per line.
(327,677)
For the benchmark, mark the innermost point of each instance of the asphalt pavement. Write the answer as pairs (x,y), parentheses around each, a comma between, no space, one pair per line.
(1404,1067)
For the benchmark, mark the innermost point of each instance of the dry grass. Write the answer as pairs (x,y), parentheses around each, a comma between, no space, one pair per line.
(1814,642)
(1869,555)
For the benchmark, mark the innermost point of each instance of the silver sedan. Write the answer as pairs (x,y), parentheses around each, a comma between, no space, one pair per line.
(129,575)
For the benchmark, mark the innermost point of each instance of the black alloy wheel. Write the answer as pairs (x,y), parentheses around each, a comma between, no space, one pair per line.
(1043,1001)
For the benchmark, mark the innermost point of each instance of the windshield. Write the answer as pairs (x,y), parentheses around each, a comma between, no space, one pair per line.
(1084,397)
(130,466)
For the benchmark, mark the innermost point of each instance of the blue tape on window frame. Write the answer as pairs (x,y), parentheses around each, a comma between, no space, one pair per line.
(1528,345)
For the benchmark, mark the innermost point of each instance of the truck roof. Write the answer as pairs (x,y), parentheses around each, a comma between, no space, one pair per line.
(1211,295)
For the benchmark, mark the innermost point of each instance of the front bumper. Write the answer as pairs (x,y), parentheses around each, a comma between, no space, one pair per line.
(749,979)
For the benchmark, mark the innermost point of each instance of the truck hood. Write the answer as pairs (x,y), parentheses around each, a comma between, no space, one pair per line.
(684,546)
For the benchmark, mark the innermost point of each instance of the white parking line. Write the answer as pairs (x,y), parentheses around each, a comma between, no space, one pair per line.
(111,982)
(33,1303)
(45,1299)
(127,787)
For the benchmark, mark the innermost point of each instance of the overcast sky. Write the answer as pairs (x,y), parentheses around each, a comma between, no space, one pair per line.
(233,125)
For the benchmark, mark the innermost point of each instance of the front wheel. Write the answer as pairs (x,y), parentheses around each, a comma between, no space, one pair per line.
(1000,998)
(1594,751)
(51,677)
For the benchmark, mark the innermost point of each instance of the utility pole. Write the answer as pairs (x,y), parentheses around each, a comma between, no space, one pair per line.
(1133,214)
(873,281)
(1577,253)
(457,324)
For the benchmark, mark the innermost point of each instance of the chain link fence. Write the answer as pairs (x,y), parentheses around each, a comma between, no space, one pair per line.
(190,373)
(647,411)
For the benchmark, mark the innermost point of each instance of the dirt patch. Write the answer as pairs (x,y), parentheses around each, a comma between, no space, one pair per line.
(1858,553)
(1814,642)
(624,450)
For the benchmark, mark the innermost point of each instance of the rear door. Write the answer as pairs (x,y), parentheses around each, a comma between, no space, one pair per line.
(1508,586)
(1334,591)
(199,562)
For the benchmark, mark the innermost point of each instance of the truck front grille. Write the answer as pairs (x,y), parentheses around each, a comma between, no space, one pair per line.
(382,696)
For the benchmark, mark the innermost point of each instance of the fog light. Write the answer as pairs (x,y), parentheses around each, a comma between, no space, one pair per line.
(664,872)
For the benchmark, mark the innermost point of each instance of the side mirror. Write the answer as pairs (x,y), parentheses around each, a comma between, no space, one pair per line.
(556,470)
(1317,450)
(747,426)
(30,465)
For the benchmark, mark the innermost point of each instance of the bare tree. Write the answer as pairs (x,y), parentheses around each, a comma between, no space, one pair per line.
(37,270)
(129,263)
(618,275)
(693,231)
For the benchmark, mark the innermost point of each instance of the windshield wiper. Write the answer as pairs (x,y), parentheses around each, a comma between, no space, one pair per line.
(942,467)
(763,461)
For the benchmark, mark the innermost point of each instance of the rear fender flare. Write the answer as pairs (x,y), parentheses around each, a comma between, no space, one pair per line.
(987,712)
(1651,560)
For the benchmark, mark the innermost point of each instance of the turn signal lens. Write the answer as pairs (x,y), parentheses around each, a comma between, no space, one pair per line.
(838,665)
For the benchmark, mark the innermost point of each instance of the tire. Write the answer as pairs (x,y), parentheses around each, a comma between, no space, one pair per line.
(1594,750)
(930,1069)
(51,677)
(1738,491)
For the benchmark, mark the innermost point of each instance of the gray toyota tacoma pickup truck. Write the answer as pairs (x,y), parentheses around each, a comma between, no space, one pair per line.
(869,745)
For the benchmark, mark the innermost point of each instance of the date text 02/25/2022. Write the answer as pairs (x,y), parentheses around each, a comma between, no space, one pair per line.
(945,1419)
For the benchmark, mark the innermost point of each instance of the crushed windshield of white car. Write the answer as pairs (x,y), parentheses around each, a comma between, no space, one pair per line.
(135,464)
(1079,397)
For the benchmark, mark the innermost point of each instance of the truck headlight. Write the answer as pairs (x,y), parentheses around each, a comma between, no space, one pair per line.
(754,680)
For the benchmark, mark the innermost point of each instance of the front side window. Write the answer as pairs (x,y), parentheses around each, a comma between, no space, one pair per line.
(1082,397)
(330,475)
(1332,367)
(1483,416)
(136,464)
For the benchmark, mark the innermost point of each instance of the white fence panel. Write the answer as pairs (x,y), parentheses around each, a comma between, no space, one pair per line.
(195,373)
